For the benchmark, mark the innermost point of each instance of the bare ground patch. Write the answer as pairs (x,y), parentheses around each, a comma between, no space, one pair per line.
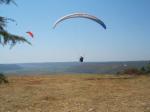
(75,93)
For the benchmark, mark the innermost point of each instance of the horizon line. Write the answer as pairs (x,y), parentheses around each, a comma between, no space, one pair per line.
(75,62)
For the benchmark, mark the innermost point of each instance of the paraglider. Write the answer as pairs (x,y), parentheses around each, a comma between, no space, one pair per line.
(30,33)
(80,15)
(81,59)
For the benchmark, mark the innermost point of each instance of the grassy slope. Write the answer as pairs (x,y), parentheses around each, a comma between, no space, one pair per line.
(75,93)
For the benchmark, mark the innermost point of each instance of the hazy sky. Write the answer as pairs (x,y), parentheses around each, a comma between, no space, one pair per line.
(127,36)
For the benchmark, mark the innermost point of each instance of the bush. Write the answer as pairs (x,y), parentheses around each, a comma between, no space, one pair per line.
(148,68)
(145,69)
(3,78)
(130,71)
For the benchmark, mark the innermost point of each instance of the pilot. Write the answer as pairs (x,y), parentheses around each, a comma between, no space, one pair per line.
(81,59)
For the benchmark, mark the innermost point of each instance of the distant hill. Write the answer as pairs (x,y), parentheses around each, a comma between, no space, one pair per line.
(107,67)
(9,67)
(70,67)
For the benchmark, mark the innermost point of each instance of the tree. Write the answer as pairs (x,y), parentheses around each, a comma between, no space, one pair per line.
(6,1)
(5,36)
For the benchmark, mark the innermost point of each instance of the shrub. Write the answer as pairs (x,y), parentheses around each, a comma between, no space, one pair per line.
(3,78)
(148,68)
(130,71)
(145,69)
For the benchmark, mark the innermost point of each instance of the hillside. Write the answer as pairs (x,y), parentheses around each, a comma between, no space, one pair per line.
(70,67)
(9,67)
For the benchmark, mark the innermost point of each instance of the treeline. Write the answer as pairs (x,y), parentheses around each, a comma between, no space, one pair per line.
(136,71)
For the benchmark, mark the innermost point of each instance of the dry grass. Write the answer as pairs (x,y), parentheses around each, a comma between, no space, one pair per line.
(75,93)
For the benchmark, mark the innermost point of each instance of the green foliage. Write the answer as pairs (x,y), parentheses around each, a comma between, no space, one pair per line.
(3,78)
(7,2)
(131,71)
(136,71)
(143,70)
(11,39)
(147,69)
(6,37)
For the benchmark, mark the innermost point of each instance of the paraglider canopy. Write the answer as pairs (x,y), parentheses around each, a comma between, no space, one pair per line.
(30,33)
(80,15)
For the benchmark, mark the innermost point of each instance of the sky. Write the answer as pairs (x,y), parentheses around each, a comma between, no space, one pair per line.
(126,38)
